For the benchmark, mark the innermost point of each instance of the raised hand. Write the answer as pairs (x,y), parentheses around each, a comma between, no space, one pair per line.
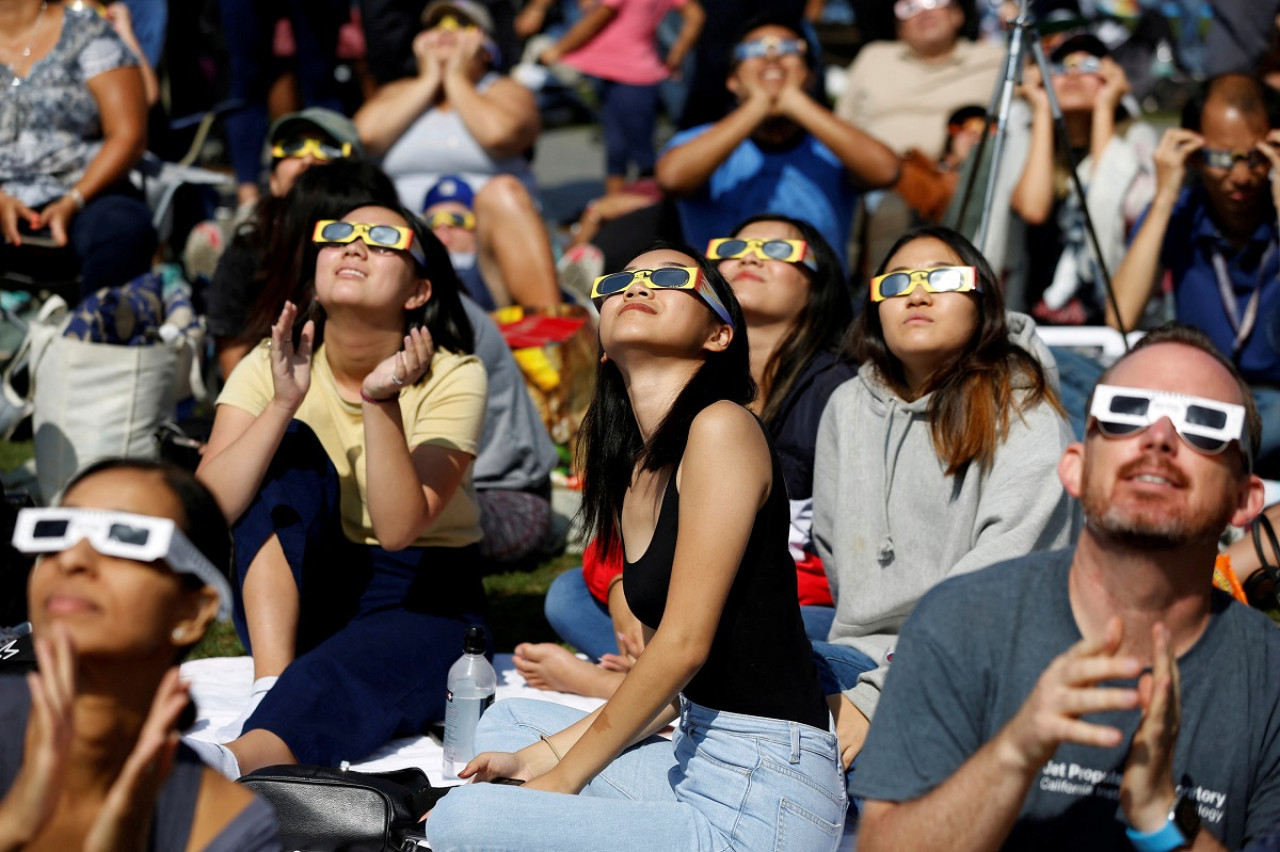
(1032,89)
(1067,690)
(1115,85)
(403,368)
(291,368)
(1146,789)
(1176,146)
(1270,147)
(124,821)
(32,799)
(467,48)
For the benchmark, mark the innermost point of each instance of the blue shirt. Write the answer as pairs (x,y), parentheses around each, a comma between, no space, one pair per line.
(806,181)
(1189,244)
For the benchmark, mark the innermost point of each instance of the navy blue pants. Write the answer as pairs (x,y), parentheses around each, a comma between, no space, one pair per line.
(378,629)
(627,114)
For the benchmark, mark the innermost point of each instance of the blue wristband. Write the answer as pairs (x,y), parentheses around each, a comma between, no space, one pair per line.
(1165,839)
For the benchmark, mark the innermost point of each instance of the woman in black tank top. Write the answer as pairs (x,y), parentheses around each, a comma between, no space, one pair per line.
(683,479)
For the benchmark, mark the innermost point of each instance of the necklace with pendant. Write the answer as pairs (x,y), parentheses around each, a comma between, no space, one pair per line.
(26,51)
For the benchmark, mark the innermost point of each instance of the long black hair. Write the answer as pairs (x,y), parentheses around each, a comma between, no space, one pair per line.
(820,325)
(609,438)
(974,395)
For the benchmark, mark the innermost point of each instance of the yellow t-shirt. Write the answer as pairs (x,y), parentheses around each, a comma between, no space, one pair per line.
(446,410)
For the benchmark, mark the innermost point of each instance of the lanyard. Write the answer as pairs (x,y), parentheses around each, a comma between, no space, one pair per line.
(1242,325)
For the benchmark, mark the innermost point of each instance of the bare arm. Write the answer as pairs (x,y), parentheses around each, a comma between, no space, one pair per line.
(242,444)
(1138,274)
(692,18)
(1001,772)
(685,169)
(1115,85)
(870,163)
(122,21)
(387,115)
(504,118)
(579,34)
(123,111)
(1032,198)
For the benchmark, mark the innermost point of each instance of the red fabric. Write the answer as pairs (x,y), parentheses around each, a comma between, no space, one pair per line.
(597,572)
(811,580)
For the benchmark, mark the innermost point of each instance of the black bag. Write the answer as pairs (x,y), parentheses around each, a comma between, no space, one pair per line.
(321,809)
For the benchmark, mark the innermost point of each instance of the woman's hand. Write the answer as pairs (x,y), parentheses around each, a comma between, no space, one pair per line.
(290,368)
(430,67)
(32,799)
(1032,89)
(403,368)
(489,765)
(11,210)
(57,216)
(468,54)
(124,821)
(627,628)
(1115,85)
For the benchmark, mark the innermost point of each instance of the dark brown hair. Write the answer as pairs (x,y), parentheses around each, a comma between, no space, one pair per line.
(973,396)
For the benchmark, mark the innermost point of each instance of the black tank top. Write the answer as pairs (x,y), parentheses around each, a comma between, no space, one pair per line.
(761,663)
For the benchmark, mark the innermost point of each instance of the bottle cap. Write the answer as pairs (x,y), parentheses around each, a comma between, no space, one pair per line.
(474,641)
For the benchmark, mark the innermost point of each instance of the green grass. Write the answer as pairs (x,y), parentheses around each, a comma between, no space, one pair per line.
(14,454)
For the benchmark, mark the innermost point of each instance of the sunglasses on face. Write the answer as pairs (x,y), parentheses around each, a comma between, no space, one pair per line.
(1076,65)
(449,22)
(904,10)
(667,278)
(1205,425)
(941,279)
(465,220)
(1214,158)
(788,251)
(379,238)
(319,149)
(124,535)
(768,46)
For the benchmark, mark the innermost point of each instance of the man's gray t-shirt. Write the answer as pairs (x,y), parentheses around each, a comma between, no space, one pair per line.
(972,652)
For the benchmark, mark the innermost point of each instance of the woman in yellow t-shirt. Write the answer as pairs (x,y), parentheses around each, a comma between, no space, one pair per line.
(341,450)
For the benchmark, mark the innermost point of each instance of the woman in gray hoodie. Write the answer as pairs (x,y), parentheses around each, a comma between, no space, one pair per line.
(939,458)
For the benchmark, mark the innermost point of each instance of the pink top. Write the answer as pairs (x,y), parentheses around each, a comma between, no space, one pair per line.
(625,51)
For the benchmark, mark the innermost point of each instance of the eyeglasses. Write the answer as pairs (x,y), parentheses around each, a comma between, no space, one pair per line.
(465,219)
(759,48)
(142,538)
(788,251)
(666,278)
(906,9)
(321,150)
(1076,65)
(379,238)
(449,22)
(1205,425)
(941,279)
(1214,158)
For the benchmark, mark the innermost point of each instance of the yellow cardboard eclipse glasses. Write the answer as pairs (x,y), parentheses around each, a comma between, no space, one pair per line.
(379,238)
(667,278)
(318,148)
(788,251)
(940,279)
(452,219)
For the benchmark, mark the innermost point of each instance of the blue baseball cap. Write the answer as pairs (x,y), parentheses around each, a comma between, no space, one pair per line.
(450,188)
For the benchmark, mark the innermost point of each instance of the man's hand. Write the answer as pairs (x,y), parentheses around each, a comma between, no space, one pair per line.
(1175,147)
(1147,791)
(1067,690)
(1270,147)
(851,727)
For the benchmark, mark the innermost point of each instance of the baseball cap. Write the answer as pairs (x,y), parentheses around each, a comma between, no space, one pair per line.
(1080,43)
(335,125)
(450,188)
(474,12)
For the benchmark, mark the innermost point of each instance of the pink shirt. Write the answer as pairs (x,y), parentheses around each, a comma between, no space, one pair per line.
(625,51)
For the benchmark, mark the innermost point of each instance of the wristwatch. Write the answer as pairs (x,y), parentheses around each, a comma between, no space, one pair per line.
(1178,832)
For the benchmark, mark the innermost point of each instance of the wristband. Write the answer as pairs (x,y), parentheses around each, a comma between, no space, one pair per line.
(78,197)
(364,396)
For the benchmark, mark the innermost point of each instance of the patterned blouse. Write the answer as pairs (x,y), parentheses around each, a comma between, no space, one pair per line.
(50,129)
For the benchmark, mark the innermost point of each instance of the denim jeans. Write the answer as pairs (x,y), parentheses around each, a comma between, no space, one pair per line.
(726,781)
(839,667)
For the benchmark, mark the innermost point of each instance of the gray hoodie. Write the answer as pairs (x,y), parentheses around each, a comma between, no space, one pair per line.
(889,523)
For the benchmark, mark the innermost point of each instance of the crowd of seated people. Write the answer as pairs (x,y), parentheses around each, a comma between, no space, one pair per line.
(880,556)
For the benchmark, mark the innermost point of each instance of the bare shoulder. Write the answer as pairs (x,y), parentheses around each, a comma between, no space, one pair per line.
(220,802)
(725,421)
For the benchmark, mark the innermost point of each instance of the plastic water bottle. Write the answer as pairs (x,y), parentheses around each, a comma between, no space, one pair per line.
(471,685)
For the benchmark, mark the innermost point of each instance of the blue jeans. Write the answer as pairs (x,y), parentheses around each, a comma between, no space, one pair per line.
(627,116)
(726,781)
(582,621)
(1077,374)
(839,667)
(578,618)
